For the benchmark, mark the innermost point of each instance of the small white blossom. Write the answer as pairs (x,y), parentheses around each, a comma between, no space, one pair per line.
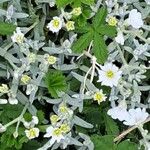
(119,112)
(4,88)
(2,128)
(54,133)
(99,96)
(120,38)
(52,3)
(32,123)
(109,75)
(55,25)
(136,116)
(76,11)
(135,19)
(13,101)
(32,133)
(3,101)
(18,36)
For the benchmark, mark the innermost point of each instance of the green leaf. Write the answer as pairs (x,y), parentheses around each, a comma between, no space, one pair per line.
(55,82)
(83,42)
(103,142)
(111,126)
(127,145)
(99,18)
(87,2)
(7,28)
(62,3)
(107,30)
(40,115)
(10,112)
(91,114)
(31,145)
(100,48)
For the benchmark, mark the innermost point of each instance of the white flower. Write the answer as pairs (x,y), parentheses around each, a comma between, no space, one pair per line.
(136,116)
(135,19)
(64,112)
(54,133)
(99,96)
(13,101)
(18,36)
(109,75)
(35,120)
(70,25)
(52,3)
(3,101)
(119,112)
(76,11)
(2,128)
(32,123)
(32,133)
(4,89)
(120,38)
(55,25)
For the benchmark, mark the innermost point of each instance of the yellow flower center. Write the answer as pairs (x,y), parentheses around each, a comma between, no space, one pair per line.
(25,79)
(63,109)
(19,38)
(54,118)
(51,60)
(4,88)
(55,23)
(64,128)
(70,25)
(57,132)
(112,21)
(32,133)
(110,74)
(98,96)
(76,11)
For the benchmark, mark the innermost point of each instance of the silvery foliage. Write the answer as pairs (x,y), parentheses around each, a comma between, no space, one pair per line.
(130,87)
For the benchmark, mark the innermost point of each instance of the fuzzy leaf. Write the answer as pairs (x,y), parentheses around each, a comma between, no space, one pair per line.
(100,48)
(55,82)
(7,28)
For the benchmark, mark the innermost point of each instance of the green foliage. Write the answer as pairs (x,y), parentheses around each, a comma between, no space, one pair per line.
(106,143)
(103,142)
(93,115)
(83,42)
(63,3)
(95,33)
(127,145)
(55,82)
(8,141)
(7,28)
(31,145)
(111,126)
(9,112)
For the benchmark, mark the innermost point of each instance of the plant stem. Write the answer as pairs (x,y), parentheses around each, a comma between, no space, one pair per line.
(129,130)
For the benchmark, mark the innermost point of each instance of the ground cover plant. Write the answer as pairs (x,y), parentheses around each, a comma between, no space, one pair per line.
(74,74)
